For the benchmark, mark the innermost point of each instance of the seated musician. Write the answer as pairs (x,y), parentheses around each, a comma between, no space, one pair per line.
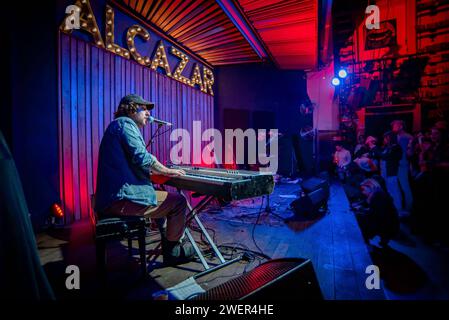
(123,179)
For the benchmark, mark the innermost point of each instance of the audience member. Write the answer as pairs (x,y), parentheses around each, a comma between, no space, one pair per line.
(409,174)
(361,147)
(380,217)
(368,161)
(390,156)
(403,139)
(342,158)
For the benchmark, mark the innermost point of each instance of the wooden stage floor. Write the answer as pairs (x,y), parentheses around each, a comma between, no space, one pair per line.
(333,243)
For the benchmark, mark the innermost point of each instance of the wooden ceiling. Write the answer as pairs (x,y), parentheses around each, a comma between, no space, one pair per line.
(289,29)
(280,30)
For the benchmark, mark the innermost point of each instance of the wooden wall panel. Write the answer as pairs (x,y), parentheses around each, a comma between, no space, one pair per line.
(92,82)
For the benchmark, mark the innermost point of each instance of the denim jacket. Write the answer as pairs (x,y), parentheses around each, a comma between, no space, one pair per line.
(123,166)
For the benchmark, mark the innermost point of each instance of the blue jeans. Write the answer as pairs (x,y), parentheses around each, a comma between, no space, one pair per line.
(405,186)
(392,184)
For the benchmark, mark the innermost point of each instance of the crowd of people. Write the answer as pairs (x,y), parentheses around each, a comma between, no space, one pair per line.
(409,173)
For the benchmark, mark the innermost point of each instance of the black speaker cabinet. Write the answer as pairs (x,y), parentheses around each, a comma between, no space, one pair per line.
(277,279)
(314,183)
(319,198)
(311,205)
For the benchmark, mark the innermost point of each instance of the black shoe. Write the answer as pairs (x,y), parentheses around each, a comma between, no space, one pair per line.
(175,252)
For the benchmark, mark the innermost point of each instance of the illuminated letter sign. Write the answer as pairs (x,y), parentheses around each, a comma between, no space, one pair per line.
(80,17)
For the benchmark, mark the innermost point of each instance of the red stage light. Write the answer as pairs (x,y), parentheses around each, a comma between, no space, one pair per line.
(57,211)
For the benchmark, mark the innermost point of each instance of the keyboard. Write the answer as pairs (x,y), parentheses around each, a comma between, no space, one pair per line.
(225,184)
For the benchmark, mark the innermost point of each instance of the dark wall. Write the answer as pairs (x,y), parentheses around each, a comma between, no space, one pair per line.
(29,100)
(259,87)
(5,80)
(263,89)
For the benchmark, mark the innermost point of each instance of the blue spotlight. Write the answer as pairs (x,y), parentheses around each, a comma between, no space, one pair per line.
(342,73)
(336,81)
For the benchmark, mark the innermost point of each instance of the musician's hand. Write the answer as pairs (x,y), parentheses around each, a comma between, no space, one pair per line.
(176,172)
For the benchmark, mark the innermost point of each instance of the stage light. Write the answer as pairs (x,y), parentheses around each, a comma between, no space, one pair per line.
(57,211)
(336,81)
(55,217)
(342,73)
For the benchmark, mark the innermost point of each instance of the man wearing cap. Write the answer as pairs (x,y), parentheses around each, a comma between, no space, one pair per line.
(124,187)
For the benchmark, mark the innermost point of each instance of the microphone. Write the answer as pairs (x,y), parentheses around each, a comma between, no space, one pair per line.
(160,122)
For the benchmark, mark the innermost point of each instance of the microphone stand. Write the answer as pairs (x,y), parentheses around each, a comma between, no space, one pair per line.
(268,209)
(150,142)
(159,221)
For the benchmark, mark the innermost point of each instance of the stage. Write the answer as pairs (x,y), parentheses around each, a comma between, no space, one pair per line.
(332,242)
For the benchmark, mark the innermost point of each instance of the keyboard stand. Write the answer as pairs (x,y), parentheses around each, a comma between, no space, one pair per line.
(193,215)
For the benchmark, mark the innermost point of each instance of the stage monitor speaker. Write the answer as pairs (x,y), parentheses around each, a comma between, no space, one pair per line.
(277,279)
(313,184)
(314,200)
(311,205)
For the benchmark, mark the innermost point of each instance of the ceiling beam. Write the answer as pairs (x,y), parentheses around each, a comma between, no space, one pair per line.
(234,14)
